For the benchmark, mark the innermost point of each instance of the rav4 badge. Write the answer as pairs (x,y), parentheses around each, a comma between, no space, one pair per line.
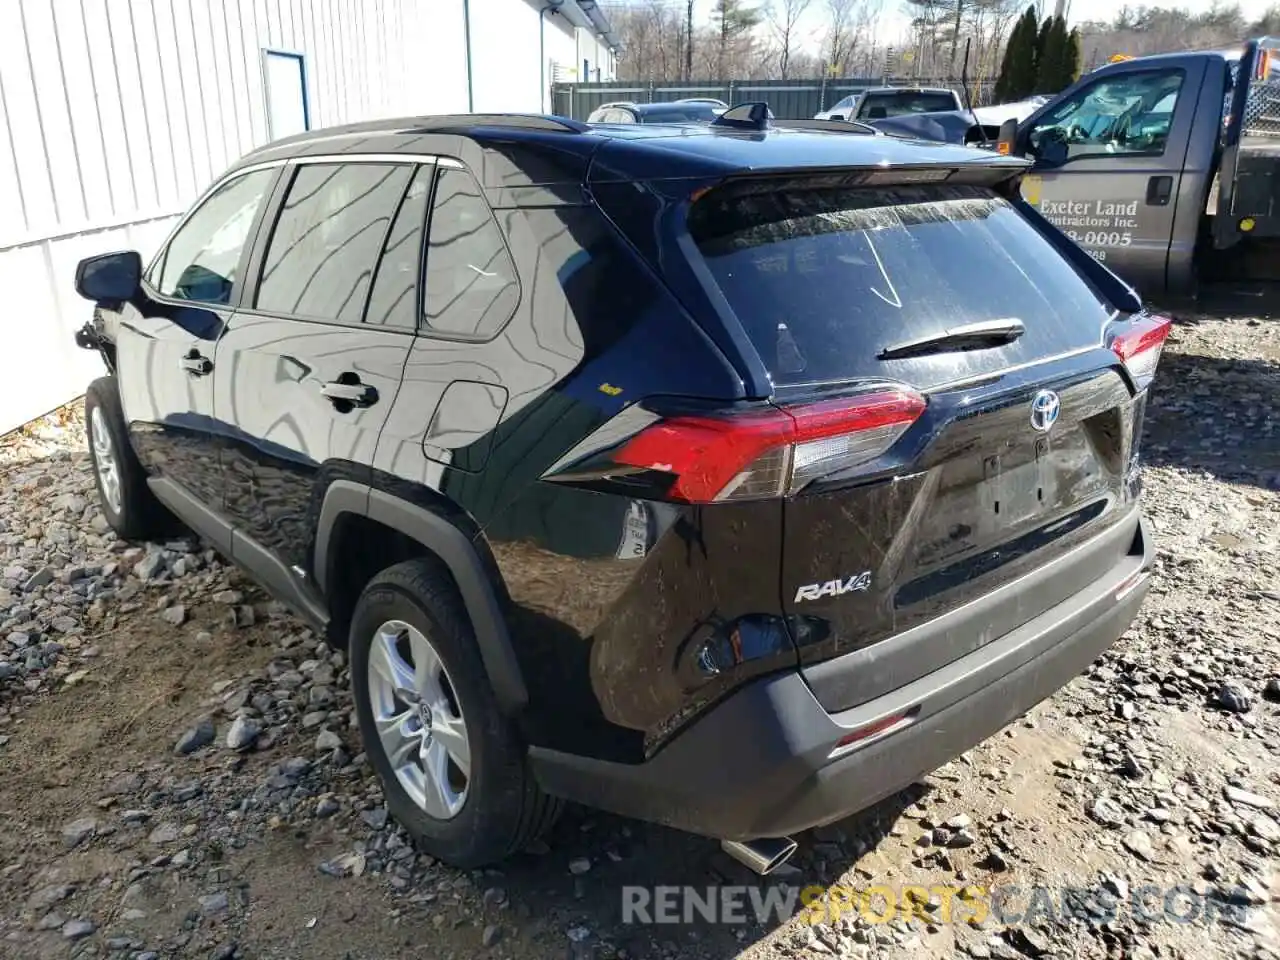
(834,588)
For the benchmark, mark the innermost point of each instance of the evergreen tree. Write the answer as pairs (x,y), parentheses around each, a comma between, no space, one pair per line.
(1055,53)
(1042,49)
(1022,58)
(1071,67)
(734,19)
(1004,81)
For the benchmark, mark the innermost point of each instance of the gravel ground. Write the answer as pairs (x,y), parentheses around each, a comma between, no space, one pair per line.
(181,776)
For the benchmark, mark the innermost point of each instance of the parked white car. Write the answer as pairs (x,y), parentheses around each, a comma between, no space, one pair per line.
(1019,110)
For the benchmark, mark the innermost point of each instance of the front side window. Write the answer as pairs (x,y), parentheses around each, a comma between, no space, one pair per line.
(471,282)
(327,238)
(1127,114)
(202,259)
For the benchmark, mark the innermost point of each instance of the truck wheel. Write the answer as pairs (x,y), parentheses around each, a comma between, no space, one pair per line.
(127,502)
(452,766)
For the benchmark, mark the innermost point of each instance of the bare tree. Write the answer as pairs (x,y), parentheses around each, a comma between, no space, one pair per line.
(742,43)
(866,18)
(784,16)
(838,42)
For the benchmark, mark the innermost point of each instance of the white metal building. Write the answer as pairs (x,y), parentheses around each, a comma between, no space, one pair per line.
(116,114)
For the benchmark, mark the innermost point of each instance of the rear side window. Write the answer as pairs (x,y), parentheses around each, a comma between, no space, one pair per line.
(824,280)
(327,238)
(394,300)
(471,281)
(201,261)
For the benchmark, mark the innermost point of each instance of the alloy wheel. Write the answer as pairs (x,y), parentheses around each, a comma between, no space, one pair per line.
(421,729)
(104,461)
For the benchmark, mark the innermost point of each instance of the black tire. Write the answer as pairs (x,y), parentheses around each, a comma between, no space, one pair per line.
(139,515)
(504,808)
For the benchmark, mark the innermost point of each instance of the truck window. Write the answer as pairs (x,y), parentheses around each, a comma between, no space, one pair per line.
(897,103)
(1127,114)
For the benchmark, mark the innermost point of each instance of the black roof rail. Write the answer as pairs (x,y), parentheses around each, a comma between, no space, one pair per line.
(752,115)
(522,121)
(832,126)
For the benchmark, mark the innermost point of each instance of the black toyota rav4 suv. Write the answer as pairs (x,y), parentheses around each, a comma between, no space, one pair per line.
(730,477)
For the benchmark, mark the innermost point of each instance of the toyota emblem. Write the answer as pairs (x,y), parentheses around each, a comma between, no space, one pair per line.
(1044,410)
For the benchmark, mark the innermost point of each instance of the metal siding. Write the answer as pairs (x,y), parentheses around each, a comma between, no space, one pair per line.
(116,114)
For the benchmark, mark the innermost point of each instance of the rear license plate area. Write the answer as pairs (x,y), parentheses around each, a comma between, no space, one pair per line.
(1019,489)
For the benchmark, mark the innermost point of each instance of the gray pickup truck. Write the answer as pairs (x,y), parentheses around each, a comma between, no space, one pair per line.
(1165,168)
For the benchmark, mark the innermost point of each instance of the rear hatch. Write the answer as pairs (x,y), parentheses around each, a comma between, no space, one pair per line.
(981,465)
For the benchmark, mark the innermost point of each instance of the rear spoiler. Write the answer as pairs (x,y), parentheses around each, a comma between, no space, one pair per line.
(756,115)
(835,178)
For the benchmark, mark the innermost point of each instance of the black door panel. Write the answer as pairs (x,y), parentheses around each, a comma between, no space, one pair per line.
(307,384)
(170,409)
(167,340)
(275,380)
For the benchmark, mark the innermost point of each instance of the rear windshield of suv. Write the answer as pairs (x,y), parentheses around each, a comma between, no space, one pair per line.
(824,280)
(877,105)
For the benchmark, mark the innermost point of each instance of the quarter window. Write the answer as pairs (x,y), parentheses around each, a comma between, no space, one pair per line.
(471,282)
(203,258)
(326,241)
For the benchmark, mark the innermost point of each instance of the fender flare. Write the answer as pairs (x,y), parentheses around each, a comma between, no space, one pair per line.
(456,551)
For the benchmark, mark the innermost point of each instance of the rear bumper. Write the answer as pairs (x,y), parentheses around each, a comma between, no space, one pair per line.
(759,763)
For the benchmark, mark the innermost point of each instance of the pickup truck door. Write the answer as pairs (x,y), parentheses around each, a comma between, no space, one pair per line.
(1111,170)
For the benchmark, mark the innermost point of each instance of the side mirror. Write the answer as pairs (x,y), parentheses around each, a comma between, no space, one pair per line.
(109,278)
(1006,143)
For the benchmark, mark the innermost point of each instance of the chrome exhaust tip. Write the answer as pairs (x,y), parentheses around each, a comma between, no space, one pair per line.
(760,856)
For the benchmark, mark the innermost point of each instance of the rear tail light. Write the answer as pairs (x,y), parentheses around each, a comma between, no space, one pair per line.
(1139,344)
(773,452)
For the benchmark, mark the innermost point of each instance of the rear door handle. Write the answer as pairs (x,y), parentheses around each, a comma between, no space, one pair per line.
(356,394)
(196,365)
(1159,191)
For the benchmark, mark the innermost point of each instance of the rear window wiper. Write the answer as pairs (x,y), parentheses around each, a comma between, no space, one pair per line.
(971,336)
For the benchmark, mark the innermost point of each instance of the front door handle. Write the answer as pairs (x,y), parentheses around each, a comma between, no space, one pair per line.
(196,365)
(1159,191)
(350,392)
